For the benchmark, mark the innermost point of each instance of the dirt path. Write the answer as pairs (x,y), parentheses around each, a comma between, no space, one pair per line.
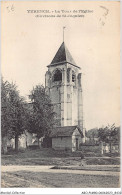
(49,170)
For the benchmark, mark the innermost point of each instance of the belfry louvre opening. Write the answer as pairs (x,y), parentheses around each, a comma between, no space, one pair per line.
(58,75)
(73,76)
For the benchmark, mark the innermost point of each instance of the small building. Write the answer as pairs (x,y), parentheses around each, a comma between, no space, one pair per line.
(25,140)
(66,138)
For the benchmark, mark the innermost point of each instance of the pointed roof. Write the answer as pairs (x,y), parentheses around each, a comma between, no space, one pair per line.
(63,55)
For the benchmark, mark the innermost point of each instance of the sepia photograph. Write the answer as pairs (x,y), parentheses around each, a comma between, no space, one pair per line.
(60,94)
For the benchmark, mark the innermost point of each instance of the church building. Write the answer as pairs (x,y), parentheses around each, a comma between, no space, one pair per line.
(63,85)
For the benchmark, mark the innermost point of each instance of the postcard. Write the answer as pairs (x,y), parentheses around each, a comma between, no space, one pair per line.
(60,97)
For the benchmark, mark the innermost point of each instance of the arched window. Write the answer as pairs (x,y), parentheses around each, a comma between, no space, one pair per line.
(57,75)
(68,75)
(79,79)
(73,77)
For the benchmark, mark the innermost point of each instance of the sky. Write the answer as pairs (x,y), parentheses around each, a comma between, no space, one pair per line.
(29,44)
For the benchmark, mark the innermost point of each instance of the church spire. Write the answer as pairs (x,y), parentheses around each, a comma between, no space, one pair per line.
(63,55)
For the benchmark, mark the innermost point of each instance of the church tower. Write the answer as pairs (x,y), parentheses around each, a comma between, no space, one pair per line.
(63,85)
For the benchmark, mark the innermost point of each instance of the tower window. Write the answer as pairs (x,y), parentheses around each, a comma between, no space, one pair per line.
(58,75)
(73,77)
(68,75)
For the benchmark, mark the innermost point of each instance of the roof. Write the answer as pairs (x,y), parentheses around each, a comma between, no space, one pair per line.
(65,131)
(63,55)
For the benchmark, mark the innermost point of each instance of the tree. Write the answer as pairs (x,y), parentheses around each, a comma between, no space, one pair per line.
(92,134)
(13,112)
(42,117)
(5,117)
(109,134)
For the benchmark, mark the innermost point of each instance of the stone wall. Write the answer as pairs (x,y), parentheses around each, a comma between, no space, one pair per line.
(62,143)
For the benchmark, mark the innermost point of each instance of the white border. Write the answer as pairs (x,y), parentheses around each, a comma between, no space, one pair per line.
(60,191)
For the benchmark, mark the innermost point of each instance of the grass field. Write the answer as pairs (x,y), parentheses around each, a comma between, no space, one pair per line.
(59,178)
(52,157)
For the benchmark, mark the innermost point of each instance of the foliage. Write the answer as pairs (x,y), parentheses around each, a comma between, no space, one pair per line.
(109,134)
(5,117)
(42,118)
(13,109)
(92,133)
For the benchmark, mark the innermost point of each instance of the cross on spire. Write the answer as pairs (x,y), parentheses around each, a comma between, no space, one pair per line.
(63,32)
